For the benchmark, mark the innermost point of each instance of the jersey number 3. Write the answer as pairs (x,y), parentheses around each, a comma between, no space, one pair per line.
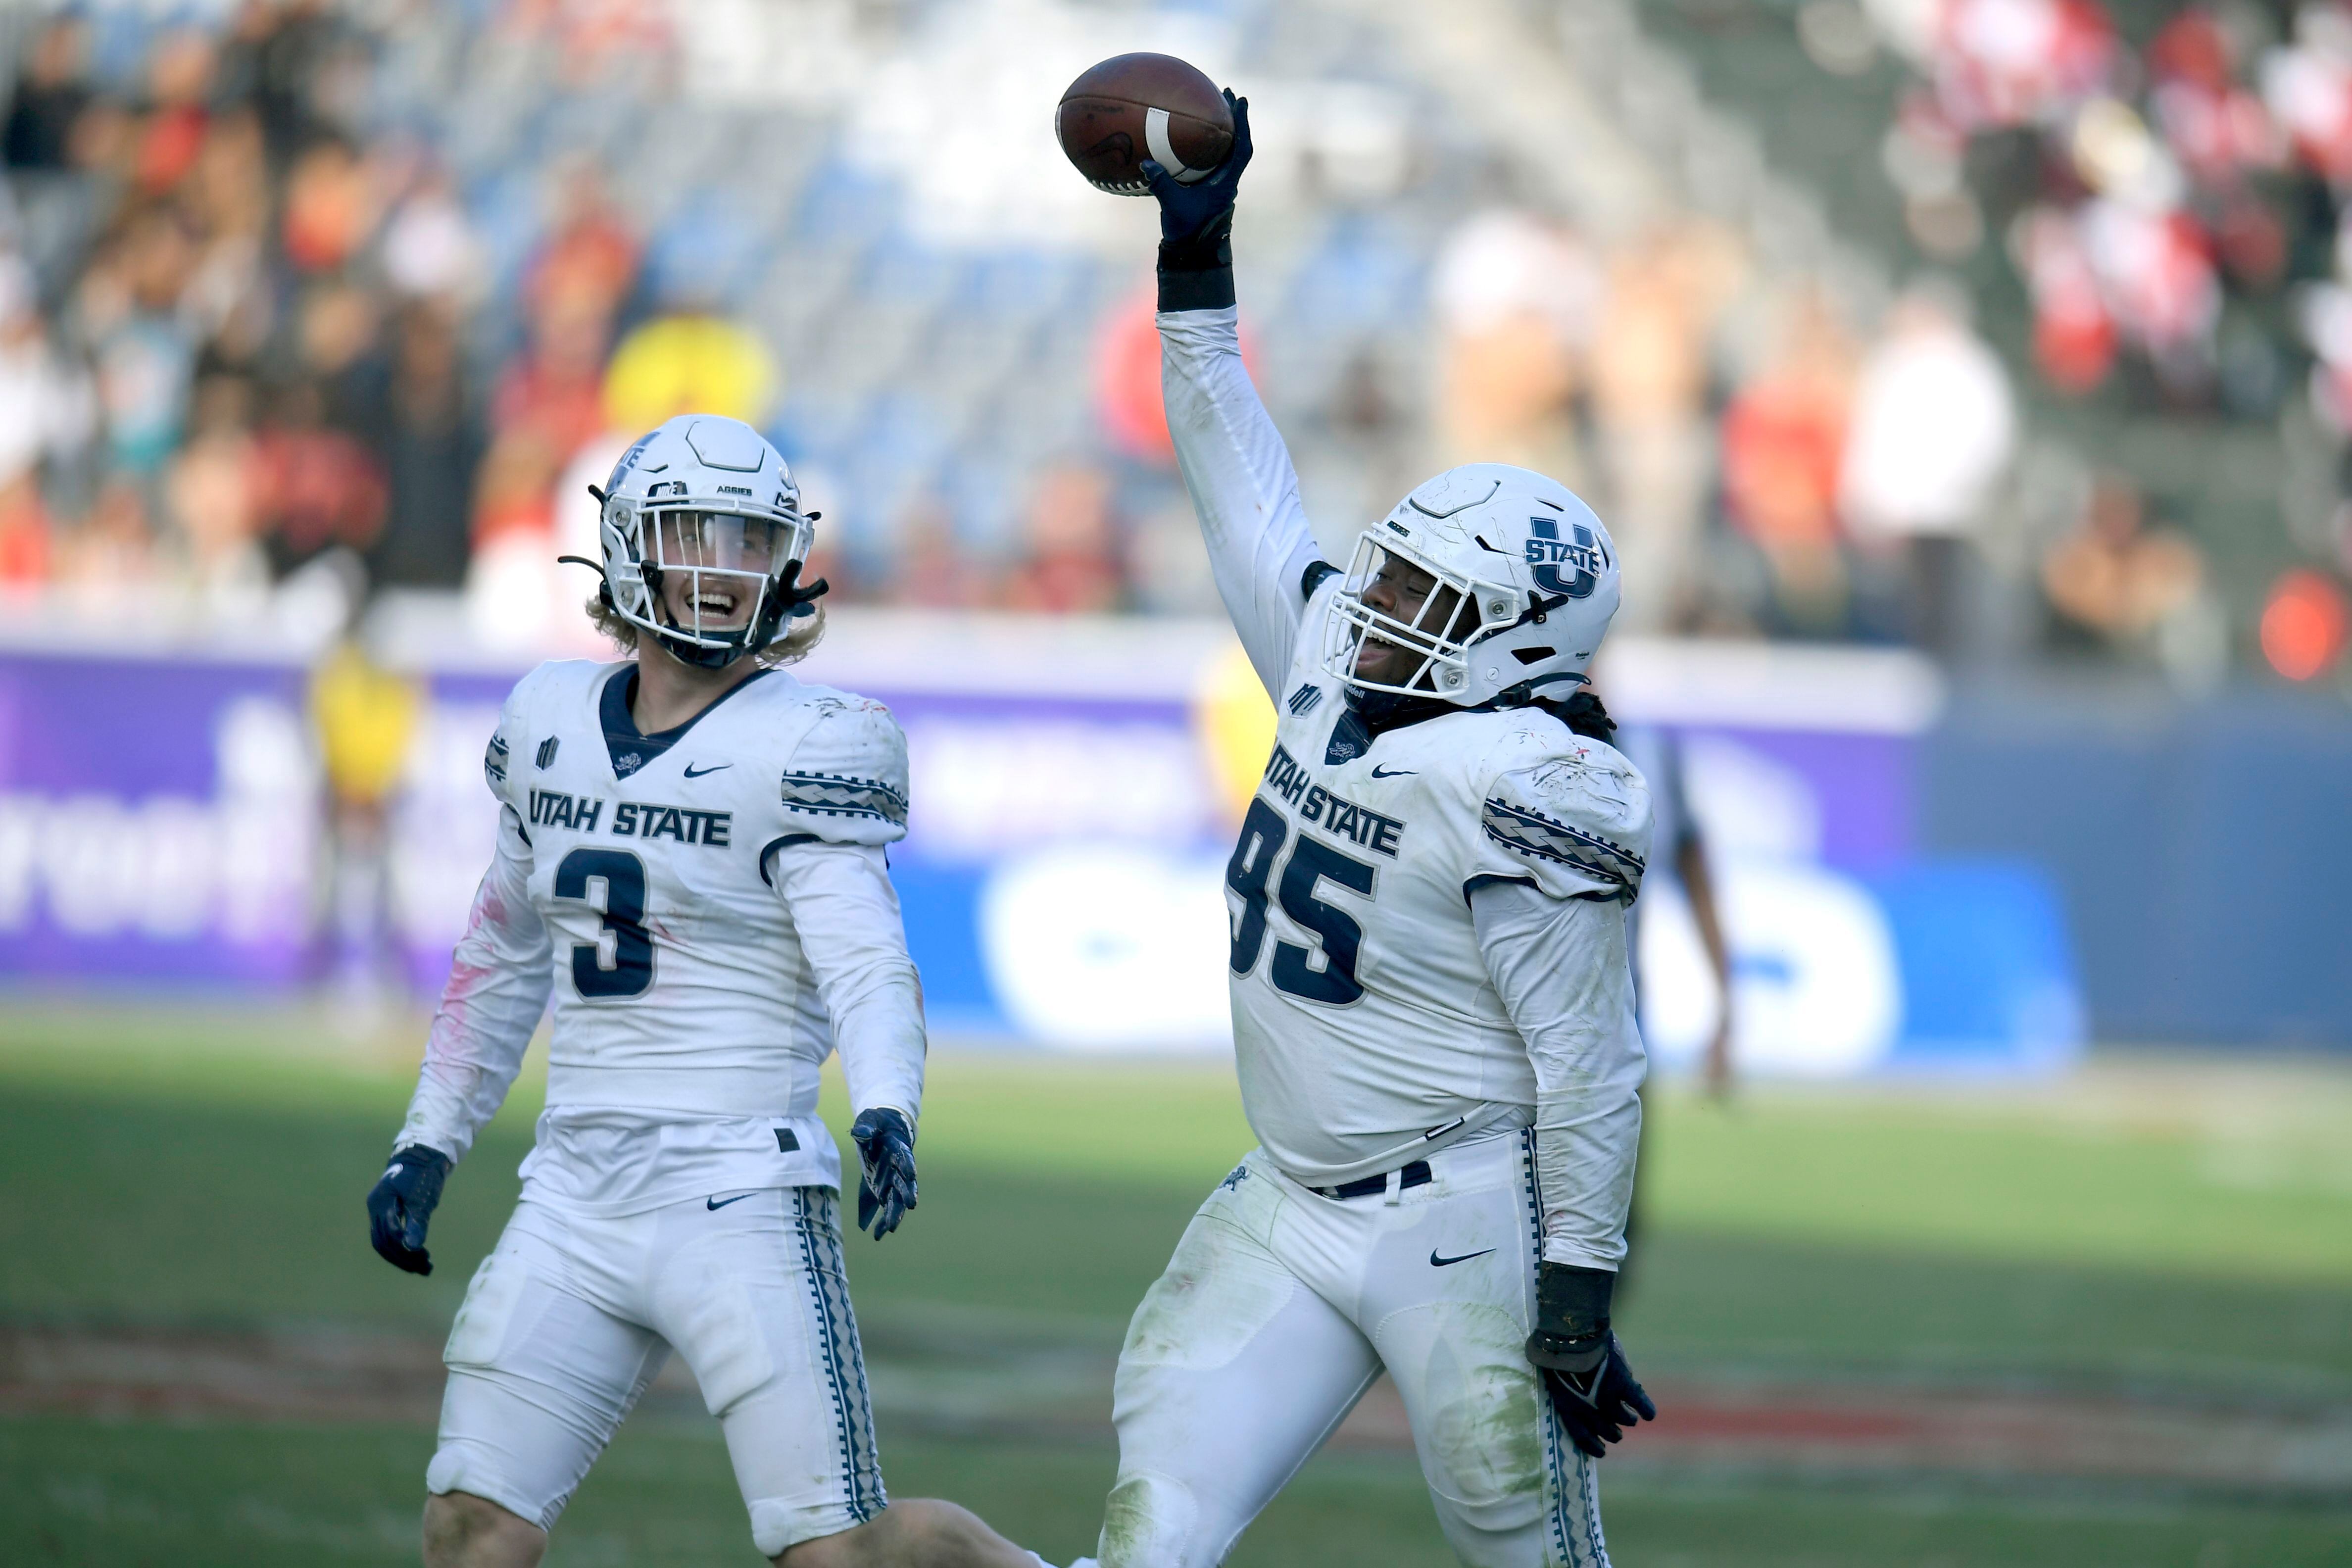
(620,962)
(1312,862)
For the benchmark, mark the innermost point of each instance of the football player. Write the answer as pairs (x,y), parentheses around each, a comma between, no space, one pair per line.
(1432,1008)
(690,859)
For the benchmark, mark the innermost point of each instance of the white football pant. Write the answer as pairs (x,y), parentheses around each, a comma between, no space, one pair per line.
(569,1318)
(1279,1309)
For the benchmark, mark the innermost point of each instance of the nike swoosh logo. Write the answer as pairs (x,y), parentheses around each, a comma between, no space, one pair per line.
(1392,773)
(738,1197)
(1437,1262)
(692,774)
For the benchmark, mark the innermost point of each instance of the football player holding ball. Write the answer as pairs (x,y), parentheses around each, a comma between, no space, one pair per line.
(1432,1003)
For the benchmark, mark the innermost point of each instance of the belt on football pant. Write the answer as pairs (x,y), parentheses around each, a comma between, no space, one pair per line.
(1417,1174)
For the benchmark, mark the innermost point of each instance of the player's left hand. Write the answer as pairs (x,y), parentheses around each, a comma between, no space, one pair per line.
(400,1206)
(1578,1357)
(1598,1400)
(885,1187)
(1194,220)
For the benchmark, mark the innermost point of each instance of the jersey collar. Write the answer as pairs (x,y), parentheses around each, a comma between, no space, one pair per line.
(631,748)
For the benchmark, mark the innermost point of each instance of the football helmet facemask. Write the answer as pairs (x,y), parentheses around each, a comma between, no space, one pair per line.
(1521,582)
(707,498)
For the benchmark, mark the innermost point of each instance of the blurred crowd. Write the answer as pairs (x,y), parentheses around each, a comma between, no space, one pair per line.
(2168,184)
(292,281)
(2158,200)
(249,320)
(233,329)
(1766,465)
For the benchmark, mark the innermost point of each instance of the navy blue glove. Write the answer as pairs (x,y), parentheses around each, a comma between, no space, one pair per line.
(1196,224)
(400,1206)
(885,1187)
(1578,1358)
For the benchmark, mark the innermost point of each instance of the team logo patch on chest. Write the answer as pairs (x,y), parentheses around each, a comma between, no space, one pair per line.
(1350,740)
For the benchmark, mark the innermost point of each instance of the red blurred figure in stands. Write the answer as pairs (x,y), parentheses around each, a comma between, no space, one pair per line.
(1783,443)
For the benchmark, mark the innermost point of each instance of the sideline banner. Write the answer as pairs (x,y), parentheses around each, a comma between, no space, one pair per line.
(163,820)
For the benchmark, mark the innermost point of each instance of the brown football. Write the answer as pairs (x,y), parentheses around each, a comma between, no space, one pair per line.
(1133,107)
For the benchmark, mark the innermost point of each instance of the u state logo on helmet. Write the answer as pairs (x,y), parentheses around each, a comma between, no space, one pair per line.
(1547,553)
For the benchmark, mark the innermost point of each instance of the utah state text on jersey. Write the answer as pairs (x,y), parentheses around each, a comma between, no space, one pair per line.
(1338,818)
(553,808)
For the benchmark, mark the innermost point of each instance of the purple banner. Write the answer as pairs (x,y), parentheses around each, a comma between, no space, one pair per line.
(157,821)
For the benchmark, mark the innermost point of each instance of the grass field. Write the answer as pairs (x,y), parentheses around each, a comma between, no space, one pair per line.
(2172,1232)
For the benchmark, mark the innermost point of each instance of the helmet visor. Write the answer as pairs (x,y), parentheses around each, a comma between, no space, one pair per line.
(720,541)
(713,568)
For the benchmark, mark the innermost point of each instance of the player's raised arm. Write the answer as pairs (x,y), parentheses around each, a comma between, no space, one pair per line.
(844,797)
(499,983)
(1234,461)
(1562,844)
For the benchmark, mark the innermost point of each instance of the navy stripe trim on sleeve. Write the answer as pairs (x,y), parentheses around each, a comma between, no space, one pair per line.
(1313,577)
(1532,834)
(1491,879)
(843,794)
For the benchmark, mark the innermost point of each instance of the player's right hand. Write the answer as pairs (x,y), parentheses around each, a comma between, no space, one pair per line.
(400,1206)
(885,1184)
(1194,220)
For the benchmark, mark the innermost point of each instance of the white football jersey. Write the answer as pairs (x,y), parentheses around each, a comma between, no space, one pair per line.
(689,1027)
(1365,1025)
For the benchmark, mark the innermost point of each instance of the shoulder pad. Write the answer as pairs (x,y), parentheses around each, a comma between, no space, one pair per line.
(495,756)
(552,676)
(849,771)
(1579,817)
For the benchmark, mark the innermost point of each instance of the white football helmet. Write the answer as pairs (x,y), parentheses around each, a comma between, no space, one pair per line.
(1525,585)
(709,497)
